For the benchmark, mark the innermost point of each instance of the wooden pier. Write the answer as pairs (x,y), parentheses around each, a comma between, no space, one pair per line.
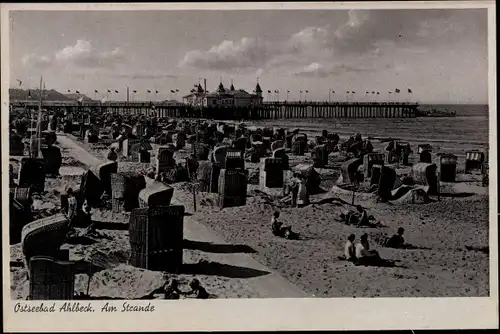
(268,110)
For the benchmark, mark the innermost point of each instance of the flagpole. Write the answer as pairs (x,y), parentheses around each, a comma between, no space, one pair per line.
(39,119)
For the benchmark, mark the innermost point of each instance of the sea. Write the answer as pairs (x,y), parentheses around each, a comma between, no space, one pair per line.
(468,130)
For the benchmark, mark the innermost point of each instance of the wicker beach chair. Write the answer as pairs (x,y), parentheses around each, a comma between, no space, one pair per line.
(371,159)
(125,188)
(44,236)
(156,194)
(234,159)
(32,174)
(103,172)
(320,156)
(271,173)
(232,187)
(156,237)
(91,189)
(51,279)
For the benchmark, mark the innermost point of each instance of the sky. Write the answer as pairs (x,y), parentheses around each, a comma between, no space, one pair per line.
(440,55)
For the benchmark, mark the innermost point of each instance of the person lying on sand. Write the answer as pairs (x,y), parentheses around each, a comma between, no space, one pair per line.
(397,240)
(358,218)
(364,255)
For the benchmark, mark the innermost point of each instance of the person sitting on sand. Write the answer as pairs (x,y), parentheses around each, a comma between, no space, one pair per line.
(349,249)
(364,255)
(362,216)
(197,289)
(397,240)
(278,228)
(171,290)
(112,154)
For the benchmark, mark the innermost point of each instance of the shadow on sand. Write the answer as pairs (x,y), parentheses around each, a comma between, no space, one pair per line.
(219,269)
(217,248)
(382,263)
(457,195)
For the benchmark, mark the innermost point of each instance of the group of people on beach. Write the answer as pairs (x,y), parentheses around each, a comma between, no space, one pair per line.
(360,253)
(358,218)
(171,290)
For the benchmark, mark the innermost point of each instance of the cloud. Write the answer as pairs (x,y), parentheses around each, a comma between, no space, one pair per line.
(364,35)
(319,70)
(37,62)
(142,75)
(83,55)
(245,53)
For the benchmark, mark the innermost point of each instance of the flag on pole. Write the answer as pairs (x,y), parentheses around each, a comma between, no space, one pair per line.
(397,90)
(20,82)
(409,91)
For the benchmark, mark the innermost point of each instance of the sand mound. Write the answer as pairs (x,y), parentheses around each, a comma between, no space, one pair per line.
(401,191)
(462,188)
(123,281)
(413,196)
(336,191)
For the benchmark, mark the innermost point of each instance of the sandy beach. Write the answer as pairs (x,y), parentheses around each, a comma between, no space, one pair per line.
(449,238)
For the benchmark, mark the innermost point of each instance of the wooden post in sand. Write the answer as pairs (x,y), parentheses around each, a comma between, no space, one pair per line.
(193,184)
(439,186)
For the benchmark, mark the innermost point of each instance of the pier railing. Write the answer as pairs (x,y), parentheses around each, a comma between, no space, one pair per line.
(268,110)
